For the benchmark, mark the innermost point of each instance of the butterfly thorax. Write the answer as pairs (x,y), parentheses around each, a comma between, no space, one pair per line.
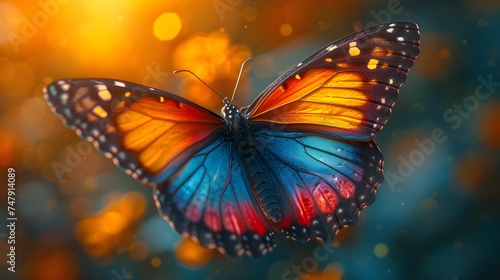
(231,115)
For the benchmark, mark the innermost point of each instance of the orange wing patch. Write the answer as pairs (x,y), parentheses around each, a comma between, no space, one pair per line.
(320,97)
(293,90)
(159,131)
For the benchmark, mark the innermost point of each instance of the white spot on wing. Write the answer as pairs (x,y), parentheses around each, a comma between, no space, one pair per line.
(64,98)
(119,84)
(331,48)
(65,87)
(101,87)
(390,30)
(401,39)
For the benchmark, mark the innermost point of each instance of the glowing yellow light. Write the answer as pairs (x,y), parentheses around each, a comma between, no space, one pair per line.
(6,68)
(110,230)
(113,222)
(155,262)
(286,29)
(167,26)
(19,77)
(191,254)
(214,58)
(381,250)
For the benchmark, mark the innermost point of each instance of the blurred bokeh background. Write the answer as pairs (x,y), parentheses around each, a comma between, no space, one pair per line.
(435,217)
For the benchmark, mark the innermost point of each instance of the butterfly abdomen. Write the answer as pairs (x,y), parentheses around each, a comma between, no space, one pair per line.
(263,189)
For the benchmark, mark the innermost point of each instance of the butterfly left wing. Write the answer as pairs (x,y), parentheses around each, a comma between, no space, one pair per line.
(345,90)
(147,132)
(210,199)
(178,147)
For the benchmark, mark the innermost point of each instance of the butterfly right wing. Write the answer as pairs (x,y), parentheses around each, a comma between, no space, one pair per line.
(345,90)
(320,183)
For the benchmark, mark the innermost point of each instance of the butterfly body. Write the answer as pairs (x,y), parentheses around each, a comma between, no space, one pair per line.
(300,160)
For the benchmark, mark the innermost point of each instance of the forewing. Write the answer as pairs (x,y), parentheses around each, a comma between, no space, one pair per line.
(147,132)
(347,89)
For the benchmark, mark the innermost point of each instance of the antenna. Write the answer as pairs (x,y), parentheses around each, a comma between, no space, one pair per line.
(183,70)
(239,76)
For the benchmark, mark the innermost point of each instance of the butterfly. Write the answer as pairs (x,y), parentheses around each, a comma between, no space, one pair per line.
(300,160)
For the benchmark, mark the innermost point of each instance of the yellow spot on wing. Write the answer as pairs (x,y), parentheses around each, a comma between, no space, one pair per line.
(328,59)
(105,95)
(297,77)
(372,64)
(354,51)
(98,110)
(162,99)
(128,94)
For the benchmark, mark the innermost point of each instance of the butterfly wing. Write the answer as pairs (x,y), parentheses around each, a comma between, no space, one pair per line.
(176,146)
(314,126)
(146,132)
(347,89)
(210,199)
(321,183)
